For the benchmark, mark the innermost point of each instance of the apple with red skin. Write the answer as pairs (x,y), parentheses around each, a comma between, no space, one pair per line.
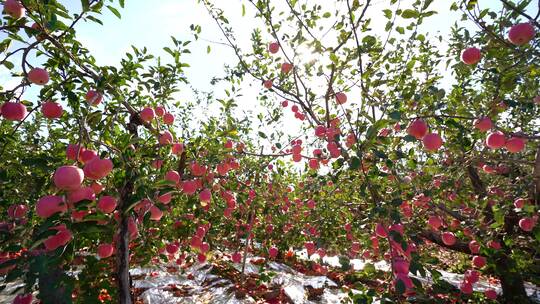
(98,168)
(107,204)
(60,239)
(491,294)
(93,97)
(478,261)
(155,213)
(527,224)
(51,110)
(432,142)
(268,84)
(466,287)
(14,8)
(165,138)
(172,176)
(521,33)
(474,246)
(341,98)
(483,124)
(14,111)
(17,211)
(177,148)
(273,47)
(83,193)
(49,205)
(171,248)
(236,257)
(23,298)
(515,144)
(471,56)
(87,155)
(147,114)
(286,67)
(273,252)
(205,195)
(68,178)
(165,198)
(448,238)
(417,128)
(520,203)
(435,222)
(168,119)
(105,250)
(38,76)
(380,231)
(495,140)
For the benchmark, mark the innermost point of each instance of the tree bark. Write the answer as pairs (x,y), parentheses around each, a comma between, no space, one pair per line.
(511,281)
(122,245)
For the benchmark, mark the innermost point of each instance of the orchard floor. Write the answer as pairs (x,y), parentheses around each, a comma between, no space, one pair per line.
(217,282)
(290,281)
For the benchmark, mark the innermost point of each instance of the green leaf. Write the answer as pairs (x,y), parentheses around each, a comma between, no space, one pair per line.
(396,115)
(9,65)
(387,13)
(85,5)
(409,13)
(355,163)
(114,11)
(261,134)
(400,30)
(327,15)
(208,49)
(243,10)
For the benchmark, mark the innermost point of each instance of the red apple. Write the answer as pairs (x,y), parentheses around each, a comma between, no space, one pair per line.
(483,124)
(172,176)
(14,111)
(515,144)
(495,140)
(98,168)
(83,193)
(51,110)
(49,205)
(448,238)
(93,97)
(527,224)
(417,128)
(286,67)
(147,114)
(171,248)
(273,47)
(105,250)
(107,204)
(479,261)
(432,142)
(236,257)
(474,246)
(38,76)
(268,84)
(14,8)
(168,118)
(165,138)
(491,294)
(341,98)
(471,56)
(160,111)
(521,33)
(68,178)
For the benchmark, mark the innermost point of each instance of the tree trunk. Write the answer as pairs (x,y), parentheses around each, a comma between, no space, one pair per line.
(122,261)
(511,281)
